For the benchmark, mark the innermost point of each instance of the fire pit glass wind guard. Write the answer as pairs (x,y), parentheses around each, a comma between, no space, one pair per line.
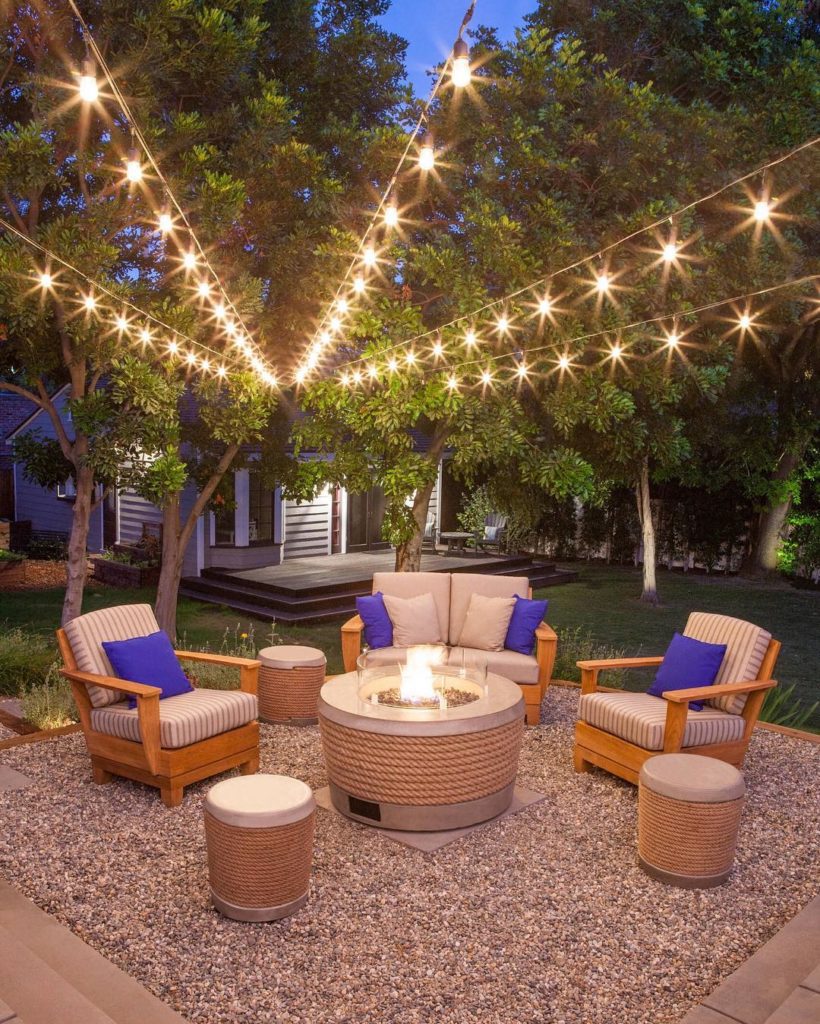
(424,685)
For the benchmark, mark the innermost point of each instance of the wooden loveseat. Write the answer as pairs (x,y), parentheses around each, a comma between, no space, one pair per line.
(452,593)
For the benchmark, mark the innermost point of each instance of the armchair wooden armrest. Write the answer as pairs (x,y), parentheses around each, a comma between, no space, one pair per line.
(723,689)
(546,645)
(352,642)
(591,669)
(248,668)
(147,708)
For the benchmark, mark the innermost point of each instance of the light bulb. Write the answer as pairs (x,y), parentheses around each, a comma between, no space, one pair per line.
(203,288)
(410,358)
(324,338)
(46,280)
(672,339)
(342,305)
(522,371)
(486,377)
(744,322)
(452,382)
(89,91)
(189,260)
(615,352)
(190,358)
(145,335)
(205,365)
(670,252)
(345,379)
(460,71)
(221,371)
(335,323)
(357,376)
(173,348)
(392,364)
(391,214)
(427,153)
(545,305)
(761,211)
(122,323)
(502,325)
(372,372)
(165,222)
(369,256)
(300,375)
(438,349)
(358,284)
(269,378)
(133,166)
(563,362)
(470,338)
(602,282)
(230,328)
(90,303)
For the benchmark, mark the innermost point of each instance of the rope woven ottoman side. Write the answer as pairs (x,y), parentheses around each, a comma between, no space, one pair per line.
(689,811)
(289,683)
(259,835)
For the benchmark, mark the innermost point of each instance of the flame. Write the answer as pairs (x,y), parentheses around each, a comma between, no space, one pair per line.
(417,679)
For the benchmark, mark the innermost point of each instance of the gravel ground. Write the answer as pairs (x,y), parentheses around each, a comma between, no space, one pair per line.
(543,917)
(6,733)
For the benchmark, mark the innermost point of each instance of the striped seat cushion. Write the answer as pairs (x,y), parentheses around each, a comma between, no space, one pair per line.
(185,719)
(640,719)
(746,646)
(87,632)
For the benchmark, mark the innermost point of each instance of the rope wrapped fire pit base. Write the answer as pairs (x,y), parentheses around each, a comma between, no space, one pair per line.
(404,770)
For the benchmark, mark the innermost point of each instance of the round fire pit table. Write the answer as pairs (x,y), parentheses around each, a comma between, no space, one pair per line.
(421,770)
(289,682)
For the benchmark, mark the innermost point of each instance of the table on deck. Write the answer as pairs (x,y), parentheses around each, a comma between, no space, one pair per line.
(456,539)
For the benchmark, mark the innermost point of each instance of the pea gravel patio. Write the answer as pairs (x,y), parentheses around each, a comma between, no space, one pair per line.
(542,917)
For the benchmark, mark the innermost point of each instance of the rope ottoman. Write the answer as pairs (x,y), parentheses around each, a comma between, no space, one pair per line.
(259,834)
(289,682)
(688,816)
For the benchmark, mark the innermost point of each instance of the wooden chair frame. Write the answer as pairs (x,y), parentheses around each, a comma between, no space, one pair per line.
(168,770)
(593,746)
(546,645)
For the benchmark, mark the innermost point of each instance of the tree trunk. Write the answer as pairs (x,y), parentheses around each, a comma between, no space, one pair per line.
(170,572)
(77,561)
(761,558)
(642,493)
(408,554)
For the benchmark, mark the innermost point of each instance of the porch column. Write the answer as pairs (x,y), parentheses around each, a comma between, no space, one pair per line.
(241,512)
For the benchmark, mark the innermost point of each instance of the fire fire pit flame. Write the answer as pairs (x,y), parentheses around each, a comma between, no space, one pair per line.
(418,682)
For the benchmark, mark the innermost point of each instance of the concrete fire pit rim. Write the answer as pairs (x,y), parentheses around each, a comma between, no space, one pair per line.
(339,702)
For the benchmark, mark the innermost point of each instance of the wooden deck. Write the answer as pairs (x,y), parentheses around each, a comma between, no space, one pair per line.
(325,588)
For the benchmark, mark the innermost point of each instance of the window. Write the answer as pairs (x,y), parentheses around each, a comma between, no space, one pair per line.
(260,511)
(67,491)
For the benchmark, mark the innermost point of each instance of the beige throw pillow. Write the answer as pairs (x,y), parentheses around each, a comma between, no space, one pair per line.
(486,623)
(415,620)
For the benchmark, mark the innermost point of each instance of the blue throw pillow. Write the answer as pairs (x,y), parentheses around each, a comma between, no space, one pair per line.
(378,629)
(527,616)
(150,660)
(688,663)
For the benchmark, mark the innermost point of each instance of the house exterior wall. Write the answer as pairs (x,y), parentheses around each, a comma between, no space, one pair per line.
(134,513)
(308,527)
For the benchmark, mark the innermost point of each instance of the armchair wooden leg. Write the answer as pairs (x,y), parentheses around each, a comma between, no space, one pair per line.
(250,767)
(533,713)
(100,775)
(172,795)
(578,761)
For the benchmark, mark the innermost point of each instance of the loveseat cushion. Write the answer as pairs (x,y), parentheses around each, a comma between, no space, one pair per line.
(520,668)
(486,622)
(412,584)
(183,720)
(464,584)
(87,632)
(640,719)
(746,646)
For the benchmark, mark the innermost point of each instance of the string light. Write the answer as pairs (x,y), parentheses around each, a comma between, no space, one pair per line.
(616,351)
(122,323)
(343,306)
(221,371)
(189,260)
(564,363)
(522,371)
(670,252)
(369,257)
(300,375)
(391,214)
(602,282)
(88,88)
(335,323)
(545,305)
(359,284)
(145,336)
(392,364)
(357,376)
(203,288)
(190,358)
(486,377)
(372,372)
(90,303)
(220,311)
(762,209)
(502,324)
(744,322)
(438,349)
(46,280)
(427,153)
(452,382)
(460,72)
(470,339)
(672,339)
(133,165)
(173,347)
(165,221)
(410,358)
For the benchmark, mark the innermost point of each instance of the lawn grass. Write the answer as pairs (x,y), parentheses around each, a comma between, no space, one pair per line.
(603,602)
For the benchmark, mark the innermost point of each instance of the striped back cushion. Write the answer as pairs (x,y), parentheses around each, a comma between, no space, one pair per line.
(746,646)
(87,632)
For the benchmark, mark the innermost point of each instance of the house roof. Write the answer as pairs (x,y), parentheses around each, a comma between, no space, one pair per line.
(14,411)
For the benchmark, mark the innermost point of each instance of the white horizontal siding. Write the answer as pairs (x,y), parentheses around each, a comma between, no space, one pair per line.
(307,527)
(134,512)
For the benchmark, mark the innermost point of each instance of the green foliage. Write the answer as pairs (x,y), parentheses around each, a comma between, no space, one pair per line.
(24,659)
(10,556)
(44,548)
(237,641)
(49,703)
(576,644)
(475,508)
(782,707)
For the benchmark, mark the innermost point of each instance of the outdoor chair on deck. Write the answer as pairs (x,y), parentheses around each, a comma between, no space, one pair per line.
(167,743)
(494,536)
(619,730)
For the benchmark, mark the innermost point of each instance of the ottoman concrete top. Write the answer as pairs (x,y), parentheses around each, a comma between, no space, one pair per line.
(690,777)
(260,801)
(292,656)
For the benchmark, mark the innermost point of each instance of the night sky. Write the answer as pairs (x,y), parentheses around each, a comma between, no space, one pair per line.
(431,26)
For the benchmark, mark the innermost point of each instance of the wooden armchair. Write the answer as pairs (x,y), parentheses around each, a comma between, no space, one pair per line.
(618,730)
(168,744)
